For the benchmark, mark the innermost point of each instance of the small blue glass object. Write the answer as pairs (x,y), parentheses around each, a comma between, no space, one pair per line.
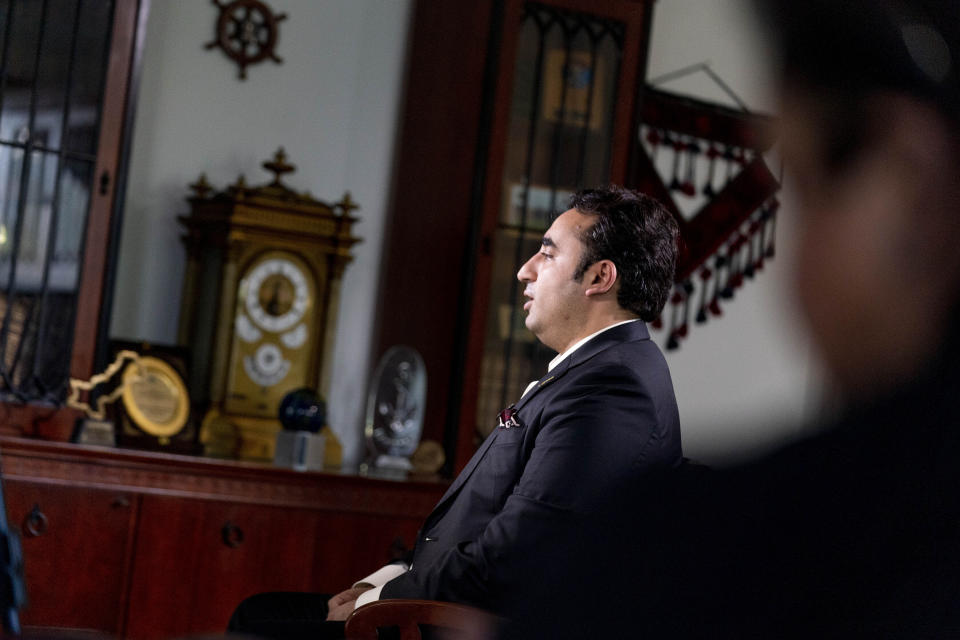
(303,410)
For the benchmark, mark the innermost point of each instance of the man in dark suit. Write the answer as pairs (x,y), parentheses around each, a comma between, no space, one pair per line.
(603,415)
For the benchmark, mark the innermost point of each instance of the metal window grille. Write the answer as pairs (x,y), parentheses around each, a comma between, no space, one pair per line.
(53,58)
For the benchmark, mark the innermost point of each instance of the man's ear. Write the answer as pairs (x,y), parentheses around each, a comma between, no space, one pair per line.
(600,277)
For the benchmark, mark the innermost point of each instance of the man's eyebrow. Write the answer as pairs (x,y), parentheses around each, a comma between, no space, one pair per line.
(548,242)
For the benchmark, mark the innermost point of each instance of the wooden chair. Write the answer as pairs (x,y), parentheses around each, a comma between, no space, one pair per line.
(458,622)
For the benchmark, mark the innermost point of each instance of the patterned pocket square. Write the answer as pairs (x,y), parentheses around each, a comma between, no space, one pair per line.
(508,418)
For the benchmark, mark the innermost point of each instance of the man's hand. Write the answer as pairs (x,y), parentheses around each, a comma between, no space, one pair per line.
(341,605)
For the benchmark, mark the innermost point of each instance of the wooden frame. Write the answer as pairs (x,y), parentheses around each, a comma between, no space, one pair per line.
(129,29)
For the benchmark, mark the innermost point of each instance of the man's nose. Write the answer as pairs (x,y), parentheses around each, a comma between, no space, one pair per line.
(527,273)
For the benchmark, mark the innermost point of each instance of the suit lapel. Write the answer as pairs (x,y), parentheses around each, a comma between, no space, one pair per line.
(630,332)
(546,380)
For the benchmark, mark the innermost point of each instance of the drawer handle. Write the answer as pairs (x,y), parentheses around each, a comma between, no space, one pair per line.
(232,535)
(35,523)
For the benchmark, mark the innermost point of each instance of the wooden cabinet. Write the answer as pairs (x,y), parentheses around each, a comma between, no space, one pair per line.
(78,542)
(157,546)
(225,551)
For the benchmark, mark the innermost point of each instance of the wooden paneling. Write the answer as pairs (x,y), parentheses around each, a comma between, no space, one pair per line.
(349,547)
(266,549)
(78,545)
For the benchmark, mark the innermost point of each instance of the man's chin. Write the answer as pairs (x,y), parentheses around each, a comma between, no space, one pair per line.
(530,324)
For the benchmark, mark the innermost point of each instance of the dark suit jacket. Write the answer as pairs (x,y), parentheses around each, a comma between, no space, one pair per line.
(850,533)
(595,423)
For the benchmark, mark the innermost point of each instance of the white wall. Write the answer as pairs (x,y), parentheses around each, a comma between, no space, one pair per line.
(745,380)
(332,104)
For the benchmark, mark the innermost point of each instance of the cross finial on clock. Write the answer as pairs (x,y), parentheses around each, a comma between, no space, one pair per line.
(347,204)
(278,166)
(201,187)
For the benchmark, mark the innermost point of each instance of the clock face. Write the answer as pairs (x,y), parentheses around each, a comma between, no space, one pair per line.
(277,294)
(274,335)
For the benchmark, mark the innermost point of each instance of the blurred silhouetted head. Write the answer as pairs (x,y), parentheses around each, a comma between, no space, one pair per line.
(870,97)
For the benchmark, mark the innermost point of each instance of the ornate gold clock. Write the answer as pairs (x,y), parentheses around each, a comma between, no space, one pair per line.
(259,303)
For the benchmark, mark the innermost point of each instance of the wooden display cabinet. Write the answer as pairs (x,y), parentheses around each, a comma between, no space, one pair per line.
(145,545)
(78,542)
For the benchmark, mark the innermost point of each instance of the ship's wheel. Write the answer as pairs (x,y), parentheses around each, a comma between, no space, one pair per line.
(247,32)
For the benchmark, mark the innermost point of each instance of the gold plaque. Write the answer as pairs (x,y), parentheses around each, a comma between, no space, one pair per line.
(155,398)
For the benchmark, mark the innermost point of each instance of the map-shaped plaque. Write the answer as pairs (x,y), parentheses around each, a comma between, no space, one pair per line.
(395,408)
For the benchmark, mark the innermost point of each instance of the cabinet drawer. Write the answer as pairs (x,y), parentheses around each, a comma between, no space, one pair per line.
(197,559)
(76,546)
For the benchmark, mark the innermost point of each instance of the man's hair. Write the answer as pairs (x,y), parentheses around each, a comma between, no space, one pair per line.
(639,236)
(849,50)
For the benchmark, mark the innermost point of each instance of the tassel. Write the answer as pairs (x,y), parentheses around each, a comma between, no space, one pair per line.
(684,328)
(654,139)
(729,157)
(727,291)
(705,274)
(689,185)
(751,236)
(764,217)
(714,305)
(672,341)
(677,153)
(738,264)
(770,251)
(712,153)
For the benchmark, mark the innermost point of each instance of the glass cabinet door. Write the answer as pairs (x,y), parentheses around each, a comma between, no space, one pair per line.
(559,139)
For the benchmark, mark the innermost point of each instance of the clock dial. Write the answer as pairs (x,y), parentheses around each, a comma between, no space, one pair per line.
(275,334)
(246,330)
(295,339)
(277,294)
(266,366)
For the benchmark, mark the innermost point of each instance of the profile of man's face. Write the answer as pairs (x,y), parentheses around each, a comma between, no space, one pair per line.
(555,304)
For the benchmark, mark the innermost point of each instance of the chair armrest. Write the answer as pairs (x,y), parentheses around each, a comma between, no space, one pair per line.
(466,623)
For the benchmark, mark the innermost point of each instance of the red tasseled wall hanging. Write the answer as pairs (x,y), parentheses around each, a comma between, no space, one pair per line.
(706,160)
